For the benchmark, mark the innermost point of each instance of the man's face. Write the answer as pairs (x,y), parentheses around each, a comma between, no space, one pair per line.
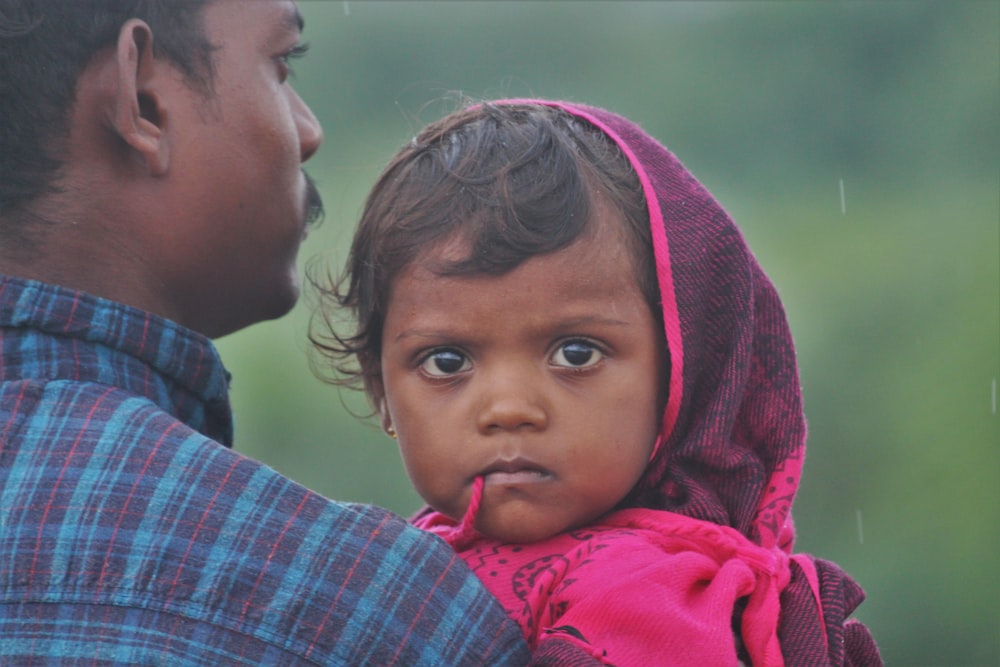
(241,196)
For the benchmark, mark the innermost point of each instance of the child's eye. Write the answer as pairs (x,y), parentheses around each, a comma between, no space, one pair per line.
(440,363)
(577,354)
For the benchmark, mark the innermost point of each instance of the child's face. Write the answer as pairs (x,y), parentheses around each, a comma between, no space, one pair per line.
(546,381)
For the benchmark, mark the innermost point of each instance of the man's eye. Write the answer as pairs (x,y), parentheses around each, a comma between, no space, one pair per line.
(444,362)
(577,354)
(296,52)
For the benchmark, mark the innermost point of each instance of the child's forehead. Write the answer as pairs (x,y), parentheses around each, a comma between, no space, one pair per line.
(600,239)
(580,280)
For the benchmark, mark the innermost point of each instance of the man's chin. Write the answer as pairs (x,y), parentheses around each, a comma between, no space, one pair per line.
(284,302)
(277,306)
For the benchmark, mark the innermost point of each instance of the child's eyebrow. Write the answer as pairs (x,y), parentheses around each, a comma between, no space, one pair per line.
(418,333)
(563,325)
(595,320)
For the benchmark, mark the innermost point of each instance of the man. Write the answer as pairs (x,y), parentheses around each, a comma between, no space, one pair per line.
(152,198)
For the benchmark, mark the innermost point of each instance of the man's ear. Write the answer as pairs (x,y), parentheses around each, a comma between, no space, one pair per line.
(137,113)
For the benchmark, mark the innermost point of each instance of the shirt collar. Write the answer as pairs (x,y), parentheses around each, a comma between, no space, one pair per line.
(187,364)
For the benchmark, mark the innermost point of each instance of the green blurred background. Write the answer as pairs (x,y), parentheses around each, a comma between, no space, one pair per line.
(856,144)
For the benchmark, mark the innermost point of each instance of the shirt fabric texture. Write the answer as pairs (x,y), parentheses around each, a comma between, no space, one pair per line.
(702,545)
(130,533)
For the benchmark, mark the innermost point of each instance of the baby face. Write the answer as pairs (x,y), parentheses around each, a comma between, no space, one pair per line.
(545,381)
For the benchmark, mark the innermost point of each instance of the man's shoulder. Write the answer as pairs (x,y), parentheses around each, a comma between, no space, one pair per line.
(116,467)
(118,505)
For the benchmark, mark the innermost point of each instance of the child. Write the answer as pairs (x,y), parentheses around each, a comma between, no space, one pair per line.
(594,388)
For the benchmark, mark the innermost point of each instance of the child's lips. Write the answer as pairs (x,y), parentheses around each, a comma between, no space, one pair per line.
(515,471)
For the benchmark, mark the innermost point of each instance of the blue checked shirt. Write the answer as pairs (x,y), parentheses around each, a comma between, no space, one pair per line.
(130,535)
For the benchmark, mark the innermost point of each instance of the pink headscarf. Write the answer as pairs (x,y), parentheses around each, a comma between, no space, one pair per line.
(733,434)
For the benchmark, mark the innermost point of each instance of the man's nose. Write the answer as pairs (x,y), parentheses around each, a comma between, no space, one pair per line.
(310,131)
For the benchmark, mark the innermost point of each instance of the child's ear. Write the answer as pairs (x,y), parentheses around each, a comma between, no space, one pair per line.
(376,393)
(386,418)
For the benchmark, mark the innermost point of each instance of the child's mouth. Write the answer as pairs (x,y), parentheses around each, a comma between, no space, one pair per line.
(514,471)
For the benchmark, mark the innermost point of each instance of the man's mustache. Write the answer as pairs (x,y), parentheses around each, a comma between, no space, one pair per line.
(314,203)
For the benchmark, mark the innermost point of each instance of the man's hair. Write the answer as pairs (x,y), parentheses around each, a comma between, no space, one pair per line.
(512,181)
(44,47)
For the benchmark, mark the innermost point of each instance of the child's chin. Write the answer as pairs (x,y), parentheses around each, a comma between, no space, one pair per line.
(518,533)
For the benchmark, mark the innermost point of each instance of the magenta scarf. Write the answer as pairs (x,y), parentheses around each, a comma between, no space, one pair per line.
(705,538)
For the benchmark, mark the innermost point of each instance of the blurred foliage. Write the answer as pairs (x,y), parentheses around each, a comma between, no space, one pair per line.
(858,146)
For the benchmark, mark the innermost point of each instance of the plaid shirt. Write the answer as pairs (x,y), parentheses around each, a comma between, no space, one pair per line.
(129,534)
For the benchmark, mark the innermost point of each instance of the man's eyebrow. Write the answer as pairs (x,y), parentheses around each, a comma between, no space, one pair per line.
(293,19)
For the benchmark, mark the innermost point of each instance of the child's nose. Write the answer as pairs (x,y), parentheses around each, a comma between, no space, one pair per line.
(512,402)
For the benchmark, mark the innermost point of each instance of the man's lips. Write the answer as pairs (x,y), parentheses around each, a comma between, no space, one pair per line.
(514,471)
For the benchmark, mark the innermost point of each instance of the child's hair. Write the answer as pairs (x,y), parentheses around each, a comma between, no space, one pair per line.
(511,180)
